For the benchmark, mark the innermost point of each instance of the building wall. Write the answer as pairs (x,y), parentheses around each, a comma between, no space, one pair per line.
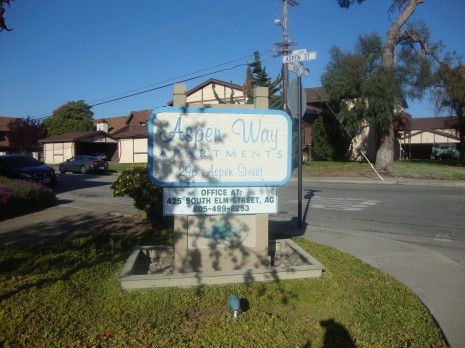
(207,96)
(133,150)
(430,137)
(364,142)
(55,153)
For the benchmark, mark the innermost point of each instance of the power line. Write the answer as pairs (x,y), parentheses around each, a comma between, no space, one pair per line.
(169,84)
(172,79)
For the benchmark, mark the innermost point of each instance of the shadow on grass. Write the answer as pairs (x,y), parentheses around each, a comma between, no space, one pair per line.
(56,246)
(336,335)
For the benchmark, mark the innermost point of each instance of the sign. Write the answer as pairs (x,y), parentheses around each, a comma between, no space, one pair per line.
(298,68)
(190,147)
(219,200)
(293,99)
(292,58)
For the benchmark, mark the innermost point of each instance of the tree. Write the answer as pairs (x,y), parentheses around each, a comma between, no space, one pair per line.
(256,76)
(329,139)
(411,80)
(71,117)
(321,148)
(24,134)
(450,95)
(360,90)
(3,25)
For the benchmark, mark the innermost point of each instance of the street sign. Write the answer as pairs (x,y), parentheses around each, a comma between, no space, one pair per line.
(298,68)
(292,58)
(293,99)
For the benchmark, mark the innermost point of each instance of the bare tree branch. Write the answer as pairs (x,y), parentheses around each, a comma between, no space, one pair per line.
(3,25)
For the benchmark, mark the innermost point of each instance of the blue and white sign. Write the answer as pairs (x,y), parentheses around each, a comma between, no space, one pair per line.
(219,200)
(190,147)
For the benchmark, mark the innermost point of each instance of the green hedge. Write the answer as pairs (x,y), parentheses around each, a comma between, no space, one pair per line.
(19,197)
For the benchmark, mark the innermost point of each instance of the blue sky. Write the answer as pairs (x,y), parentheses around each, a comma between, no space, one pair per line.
(97,50)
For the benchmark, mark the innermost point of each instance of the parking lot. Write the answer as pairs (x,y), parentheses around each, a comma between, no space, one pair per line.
(91,192)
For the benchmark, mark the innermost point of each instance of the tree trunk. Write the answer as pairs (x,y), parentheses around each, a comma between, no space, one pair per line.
(385,152)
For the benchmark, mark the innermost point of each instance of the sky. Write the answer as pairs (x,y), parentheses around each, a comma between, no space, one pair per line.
(101,50)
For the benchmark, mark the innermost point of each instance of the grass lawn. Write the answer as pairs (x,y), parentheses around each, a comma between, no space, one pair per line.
(438,170)
(68,295)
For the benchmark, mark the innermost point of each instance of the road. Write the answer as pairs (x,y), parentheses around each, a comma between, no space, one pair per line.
(426,215)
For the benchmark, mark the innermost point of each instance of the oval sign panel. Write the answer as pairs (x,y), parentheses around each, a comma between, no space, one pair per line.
(219,147)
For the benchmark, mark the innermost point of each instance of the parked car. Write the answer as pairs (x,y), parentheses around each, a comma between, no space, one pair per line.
(445,151)
(83,164)
(27,168)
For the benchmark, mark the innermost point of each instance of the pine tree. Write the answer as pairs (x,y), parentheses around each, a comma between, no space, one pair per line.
(256,76)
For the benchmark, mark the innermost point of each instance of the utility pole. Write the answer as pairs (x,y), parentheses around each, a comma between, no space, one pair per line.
(283,47)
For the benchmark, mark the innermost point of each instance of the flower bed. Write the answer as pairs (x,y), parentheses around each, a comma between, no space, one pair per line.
(19,197)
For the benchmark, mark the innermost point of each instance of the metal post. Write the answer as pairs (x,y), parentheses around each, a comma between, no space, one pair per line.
(283,48)
(285,52)
(299,116)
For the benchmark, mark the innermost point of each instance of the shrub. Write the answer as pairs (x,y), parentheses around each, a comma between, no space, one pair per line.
(136,184)
(19,197)
(330,141)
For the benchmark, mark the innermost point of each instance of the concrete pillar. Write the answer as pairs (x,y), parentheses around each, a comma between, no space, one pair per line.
(179,95)
(261,99)
(194,252)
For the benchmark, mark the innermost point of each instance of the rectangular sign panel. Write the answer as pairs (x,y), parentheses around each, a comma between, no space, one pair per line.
(299,69)
(219,147)
(292,58)
(219,200)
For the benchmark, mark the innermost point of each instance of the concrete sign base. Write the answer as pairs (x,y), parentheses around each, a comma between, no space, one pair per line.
(220,243)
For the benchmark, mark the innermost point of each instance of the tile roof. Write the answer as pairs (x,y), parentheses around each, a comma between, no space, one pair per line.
(115,124)
(316,94)
(71,136)
(139,117)
(4,120)
(209,82)
(137,132)
(432,123)
(216,82)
